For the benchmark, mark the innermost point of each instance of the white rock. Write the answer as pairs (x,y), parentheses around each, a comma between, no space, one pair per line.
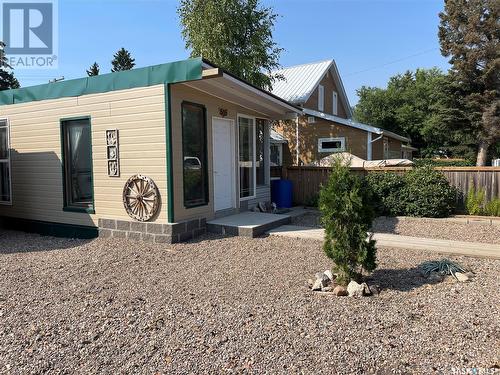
(462,277)
(355,290)
(329,274)
(317,285)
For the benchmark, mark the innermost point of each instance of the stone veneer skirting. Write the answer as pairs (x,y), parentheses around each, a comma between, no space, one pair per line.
(152,232)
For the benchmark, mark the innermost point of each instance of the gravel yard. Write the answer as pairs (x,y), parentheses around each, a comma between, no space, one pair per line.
(422,227)
(232,305)
(438,228)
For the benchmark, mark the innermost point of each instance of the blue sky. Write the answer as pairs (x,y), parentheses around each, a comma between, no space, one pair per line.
(370,40)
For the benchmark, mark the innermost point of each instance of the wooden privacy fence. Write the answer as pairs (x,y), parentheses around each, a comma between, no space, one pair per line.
(307,181)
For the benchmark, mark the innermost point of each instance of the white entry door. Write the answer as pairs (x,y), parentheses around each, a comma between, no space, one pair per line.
(223,154)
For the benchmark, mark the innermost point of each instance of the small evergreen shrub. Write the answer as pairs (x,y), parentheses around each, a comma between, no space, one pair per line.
(347,215)
(386,188)
(492,208)
(475,201)
(427,193)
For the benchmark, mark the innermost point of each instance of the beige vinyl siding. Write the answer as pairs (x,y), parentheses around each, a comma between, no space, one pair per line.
(37,186)
(180,93)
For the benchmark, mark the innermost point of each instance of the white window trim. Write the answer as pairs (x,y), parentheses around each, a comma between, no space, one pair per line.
(280,153)
(336,139)
(321,98)
(238,116)
(335,103)
(8,161)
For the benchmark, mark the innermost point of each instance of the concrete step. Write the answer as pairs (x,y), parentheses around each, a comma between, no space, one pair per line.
(247,224)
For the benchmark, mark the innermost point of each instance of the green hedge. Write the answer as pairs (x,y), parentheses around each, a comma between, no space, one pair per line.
(421,192)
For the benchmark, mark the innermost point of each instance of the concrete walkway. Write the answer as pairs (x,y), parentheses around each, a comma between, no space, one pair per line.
(474,249)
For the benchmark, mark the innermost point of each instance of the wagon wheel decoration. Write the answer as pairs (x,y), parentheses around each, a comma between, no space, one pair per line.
(141,198)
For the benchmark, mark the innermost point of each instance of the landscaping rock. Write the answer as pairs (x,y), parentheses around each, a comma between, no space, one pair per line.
(317,285)
(329,274)
(327,289)
(325,280)
(462,277)
(340,291)
(355,290)
(374,289)
(435,277)
(366,289)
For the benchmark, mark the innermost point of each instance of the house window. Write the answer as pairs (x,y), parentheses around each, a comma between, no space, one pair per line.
(331,144)
(276,154)
(246,131)
(77,164)
(321,98)
(260,141)
(335,107)
(5,185)
(194,155)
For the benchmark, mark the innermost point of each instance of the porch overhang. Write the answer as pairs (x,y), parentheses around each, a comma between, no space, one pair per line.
(221,84)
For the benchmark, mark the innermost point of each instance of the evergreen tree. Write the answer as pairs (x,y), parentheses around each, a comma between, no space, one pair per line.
(469,34)
(7,79)
(237,35)
(122,60)
(347,214)
(93,70)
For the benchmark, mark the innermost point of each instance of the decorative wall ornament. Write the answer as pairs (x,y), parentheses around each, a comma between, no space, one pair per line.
(222,112)
(141,197)
(112,153)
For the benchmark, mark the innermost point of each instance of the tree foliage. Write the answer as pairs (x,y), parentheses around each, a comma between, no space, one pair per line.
(93,70)
(469,34)
(347,215)
(236,35)
(7,79)
(421,105)
(122,60)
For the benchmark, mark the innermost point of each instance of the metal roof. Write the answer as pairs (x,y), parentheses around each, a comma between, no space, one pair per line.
(300,80)
(277,137)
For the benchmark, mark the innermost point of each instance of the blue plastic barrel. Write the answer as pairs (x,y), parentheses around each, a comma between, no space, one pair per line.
(281,193)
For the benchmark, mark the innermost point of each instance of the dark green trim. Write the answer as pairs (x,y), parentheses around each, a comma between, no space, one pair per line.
(66,208)
(185,70)
(170,168)
(49,228)
(205,153)
(82,210)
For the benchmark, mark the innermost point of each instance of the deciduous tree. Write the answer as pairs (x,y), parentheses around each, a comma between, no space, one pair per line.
(237,35)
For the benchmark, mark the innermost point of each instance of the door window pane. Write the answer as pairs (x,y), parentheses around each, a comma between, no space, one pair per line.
(259,150)
(194,142)
(78,163)
(247,156)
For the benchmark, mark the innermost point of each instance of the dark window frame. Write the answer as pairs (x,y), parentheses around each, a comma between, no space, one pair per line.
(7,161)
(204,155)
(66,205)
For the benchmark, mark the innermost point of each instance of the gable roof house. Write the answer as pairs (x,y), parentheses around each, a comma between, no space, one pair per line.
(148,154)
(326,125)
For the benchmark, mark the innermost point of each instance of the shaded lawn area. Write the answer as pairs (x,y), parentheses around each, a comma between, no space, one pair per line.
(232,305)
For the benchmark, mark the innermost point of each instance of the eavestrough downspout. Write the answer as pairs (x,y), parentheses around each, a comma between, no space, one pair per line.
(297,138)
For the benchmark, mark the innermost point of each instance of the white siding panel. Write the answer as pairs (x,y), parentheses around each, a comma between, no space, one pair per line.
(37,186)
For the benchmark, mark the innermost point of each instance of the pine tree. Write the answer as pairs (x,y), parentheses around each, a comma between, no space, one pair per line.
(93,70)
(122,60)
(7,79)
(470,36)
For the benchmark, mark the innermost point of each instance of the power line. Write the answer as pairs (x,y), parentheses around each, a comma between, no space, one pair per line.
(392,62)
